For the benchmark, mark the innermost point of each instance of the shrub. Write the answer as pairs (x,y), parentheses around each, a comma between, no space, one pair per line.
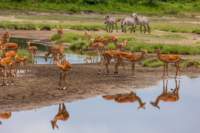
(152,63)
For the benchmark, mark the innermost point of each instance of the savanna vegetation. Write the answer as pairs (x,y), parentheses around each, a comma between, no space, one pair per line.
(151,7)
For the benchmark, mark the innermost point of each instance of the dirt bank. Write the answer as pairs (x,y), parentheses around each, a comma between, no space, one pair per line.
(39,87)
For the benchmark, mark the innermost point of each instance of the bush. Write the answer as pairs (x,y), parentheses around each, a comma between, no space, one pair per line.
(197,31)
(190,63)
(152,63)
(93,2)
(79,45)
(56,37)
(45,27)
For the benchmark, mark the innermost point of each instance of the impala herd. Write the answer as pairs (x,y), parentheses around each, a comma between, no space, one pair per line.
(11,61)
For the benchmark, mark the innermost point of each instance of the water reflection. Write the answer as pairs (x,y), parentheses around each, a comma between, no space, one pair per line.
(62,115)
(102,116)
(167,95)
(5,116)
(126,98)
(72,58)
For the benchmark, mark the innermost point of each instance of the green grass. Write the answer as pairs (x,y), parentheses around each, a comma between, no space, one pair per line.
(175,49)
(23,52)
(133,44)
(48,26)
(112,6)
(177,27)
(68,37)
(152,63)
(190,63)
(169,27)
(25,26)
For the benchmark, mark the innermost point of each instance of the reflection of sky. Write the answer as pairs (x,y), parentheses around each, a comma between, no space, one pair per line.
(97,115)
(73,58)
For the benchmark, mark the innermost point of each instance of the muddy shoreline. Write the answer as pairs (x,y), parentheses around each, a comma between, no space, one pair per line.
(39,87)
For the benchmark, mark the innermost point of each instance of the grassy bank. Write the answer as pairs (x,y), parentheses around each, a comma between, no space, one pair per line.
(48,26)
(111,6)
(77,41)
(162,26)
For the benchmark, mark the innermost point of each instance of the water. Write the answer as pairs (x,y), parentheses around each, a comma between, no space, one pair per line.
(97,115)
(72,58)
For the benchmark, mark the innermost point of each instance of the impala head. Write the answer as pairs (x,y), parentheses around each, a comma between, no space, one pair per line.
(155,105)
(67,63)
(114,38)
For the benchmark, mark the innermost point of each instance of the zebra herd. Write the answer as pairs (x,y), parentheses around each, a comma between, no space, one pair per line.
(129,22)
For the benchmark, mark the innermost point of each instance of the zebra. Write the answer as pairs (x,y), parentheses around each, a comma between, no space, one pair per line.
(111,22)
(143,22)
(128,21)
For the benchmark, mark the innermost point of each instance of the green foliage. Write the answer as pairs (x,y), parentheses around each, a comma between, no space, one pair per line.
(156,7)
(190,63)
(111,46)
(45,27)
(175,49)
(23,52)
(197,31)
(79,45)
(86,27)
(56,37)
(17,26)
(152,63)
(71,37)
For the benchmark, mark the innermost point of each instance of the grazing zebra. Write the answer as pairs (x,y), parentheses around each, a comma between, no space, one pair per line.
(128,21)
(143,22)
(111,22)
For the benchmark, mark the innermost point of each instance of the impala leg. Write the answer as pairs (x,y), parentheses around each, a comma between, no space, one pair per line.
(164,70)
(117,65)
(167,69)
(3,78)
(64,80)
(60,80)
(107,67)
(177,69)
(133,68)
